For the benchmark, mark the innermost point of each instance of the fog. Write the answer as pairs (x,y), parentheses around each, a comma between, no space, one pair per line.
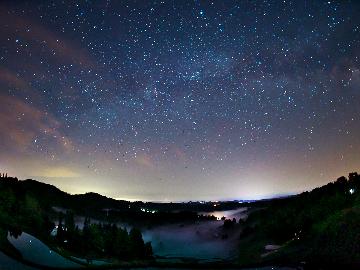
(206,240)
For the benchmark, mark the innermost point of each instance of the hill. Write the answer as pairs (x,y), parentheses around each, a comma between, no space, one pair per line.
(98,206)
(317,227)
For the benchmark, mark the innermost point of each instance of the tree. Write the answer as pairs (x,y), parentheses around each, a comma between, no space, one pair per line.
(148,250)
(69,221)
(32,212)
(60,235)
(137,246)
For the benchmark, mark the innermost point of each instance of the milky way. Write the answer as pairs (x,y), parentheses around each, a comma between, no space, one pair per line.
(180,100)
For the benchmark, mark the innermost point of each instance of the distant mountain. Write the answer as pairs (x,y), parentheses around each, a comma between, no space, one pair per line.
(49,195)
(96,205)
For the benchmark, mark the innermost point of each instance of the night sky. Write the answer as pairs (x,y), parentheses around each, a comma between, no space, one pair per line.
(180,100)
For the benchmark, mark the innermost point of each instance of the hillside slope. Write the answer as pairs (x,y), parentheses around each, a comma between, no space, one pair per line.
(317,227)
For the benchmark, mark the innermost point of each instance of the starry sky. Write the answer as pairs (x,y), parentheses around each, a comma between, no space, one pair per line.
(180,100)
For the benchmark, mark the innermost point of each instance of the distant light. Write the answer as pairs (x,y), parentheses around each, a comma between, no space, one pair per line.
(352,191)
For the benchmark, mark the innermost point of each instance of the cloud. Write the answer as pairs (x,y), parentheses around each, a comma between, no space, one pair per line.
(12,79)
(180,154)
(355,78)
(22,123)
(62,172)
(19,84)
(145,161)
(58,47)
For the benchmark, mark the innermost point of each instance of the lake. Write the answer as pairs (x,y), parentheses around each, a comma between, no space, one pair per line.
(33,250)
(9,263)
(203,240)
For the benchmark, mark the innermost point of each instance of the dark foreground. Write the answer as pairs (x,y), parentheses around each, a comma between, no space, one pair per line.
(313,230)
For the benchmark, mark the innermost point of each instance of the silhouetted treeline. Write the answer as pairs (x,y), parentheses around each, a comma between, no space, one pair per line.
(313,226)
(100,207)
(21,210)
(3,175)
(101,240)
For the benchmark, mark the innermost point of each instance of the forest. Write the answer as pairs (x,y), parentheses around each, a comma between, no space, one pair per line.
(21,211)
(318,227)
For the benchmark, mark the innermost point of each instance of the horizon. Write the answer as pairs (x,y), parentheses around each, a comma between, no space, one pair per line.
(134,198)
(240,200)
(180,100)
(157,134)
